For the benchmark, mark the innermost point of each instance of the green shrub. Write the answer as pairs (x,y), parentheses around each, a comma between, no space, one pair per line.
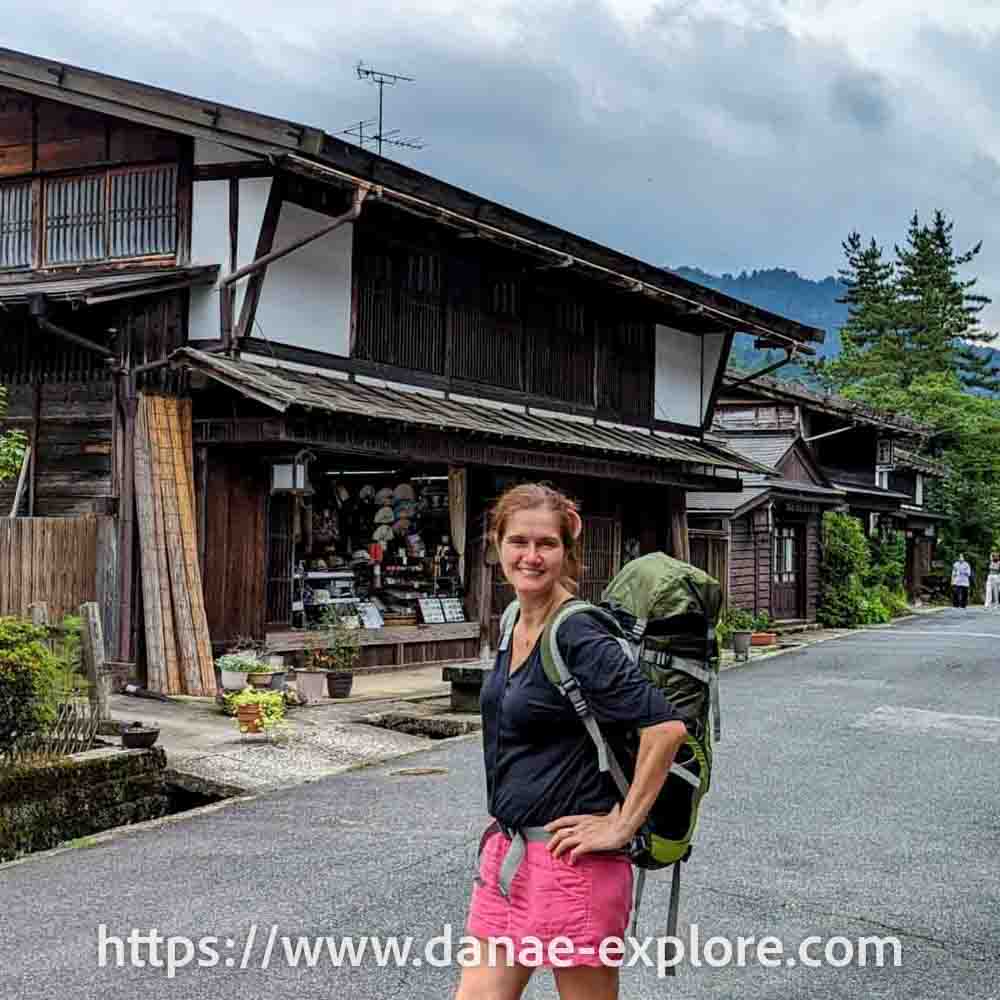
(861,581)
(846,563)
(894,600)
(29,681)
(887,561)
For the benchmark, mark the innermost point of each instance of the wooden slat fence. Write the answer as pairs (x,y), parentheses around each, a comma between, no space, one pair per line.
(63,561)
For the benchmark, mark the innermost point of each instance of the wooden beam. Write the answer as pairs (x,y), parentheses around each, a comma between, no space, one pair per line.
(126,522)
(234,222)
(232,171)
(185,201)
(25,462)
(265,241)
(234,238)
(36,419)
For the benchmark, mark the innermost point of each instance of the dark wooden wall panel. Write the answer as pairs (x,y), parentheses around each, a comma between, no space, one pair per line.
(794,468)
(16,133)
(235,556)
(813,557)
(750,567)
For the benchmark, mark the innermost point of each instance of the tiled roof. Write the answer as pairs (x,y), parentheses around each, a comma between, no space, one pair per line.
(282,388)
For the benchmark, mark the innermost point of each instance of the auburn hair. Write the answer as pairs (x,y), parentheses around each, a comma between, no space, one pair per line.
(532,496)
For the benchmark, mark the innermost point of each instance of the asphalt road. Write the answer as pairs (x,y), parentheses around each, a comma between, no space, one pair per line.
(855,795)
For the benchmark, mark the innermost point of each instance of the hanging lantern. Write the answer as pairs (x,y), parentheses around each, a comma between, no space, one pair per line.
(292,475)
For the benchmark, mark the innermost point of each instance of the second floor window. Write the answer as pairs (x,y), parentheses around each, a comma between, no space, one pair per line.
(121,214)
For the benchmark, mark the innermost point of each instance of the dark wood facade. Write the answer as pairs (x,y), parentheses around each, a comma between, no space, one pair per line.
(841,444)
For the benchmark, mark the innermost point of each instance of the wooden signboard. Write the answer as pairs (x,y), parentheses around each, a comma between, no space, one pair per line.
(454,611)
(370,615)
(431,611)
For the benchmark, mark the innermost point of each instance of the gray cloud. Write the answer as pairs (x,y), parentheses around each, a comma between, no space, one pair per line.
(862,98)
(695,140)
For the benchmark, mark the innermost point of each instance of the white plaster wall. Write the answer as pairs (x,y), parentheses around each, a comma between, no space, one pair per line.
(307,296)
(215,152)
(678,395)
(713,359)
(306,299)
(210,243)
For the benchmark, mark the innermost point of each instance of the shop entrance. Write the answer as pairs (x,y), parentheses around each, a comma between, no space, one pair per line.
(367,543)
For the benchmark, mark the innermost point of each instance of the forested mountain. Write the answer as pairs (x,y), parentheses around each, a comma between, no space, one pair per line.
(786,293)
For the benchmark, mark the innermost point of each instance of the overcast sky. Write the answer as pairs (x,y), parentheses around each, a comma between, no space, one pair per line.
(724,134)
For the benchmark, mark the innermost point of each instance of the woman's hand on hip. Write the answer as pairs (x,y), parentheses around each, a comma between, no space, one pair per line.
(587,834)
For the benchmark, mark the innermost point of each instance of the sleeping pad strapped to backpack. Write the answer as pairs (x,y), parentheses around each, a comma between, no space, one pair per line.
(663,612)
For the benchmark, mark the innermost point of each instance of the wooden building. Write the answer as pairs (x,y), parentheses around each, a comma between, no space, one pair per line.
(342,361)
(831,453)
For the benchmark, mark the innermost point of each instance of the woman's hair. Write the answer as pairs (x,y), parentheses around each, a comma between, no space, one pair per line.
(532,496)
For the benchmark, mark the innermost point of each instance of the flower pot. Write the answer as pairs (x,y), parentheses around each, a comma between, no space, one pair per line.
(311,684)
(139,737)
(233,680)
(250,718)
(339,684)
(741,643)
(763,638)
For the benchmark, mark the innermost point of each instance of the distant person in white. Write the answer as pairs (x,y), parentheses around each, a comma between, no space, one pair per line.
(961,577)
(993,582)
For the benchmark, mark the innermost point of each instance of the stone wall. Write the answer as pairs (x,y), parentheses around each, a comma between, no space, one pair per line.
(41,807)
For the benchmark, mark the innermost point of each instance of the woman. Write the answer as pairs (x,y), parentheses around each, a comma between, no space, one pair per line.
(993,581)
(574,880)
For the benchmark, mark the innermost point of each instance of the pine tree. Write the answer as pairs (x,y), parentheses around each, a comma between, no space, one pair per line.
(939,309)
(871,341)
(912,317)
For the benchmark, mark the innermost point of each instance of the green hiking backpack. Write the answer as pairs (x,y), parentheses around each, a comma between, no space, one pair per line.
(663,612)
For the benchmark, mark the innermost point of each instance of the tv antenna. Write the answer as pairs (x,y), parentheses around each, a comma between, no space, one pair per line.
(393,138)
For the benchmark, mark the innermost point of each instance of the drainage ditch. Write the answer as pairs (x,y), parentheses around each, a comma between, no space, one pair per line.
(429,726)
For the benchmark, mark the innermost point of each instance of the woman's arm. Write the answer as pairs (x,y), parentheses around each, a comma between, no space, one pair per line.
(658,745)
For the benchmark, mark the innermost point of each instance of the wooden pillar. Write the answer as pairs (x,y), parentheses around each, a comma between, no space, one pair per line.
(680,547)
(126,530)
(36,418)
(94,662)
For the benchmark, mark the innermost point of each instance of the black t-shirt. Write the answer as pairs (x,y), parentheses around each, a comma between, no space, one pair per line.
(540,762)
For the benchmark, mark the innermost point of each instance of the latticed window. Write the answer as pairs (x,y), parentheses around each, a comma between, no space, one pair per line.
(15,225)
(504,299)
(423,274)
(785,556)
(113,215)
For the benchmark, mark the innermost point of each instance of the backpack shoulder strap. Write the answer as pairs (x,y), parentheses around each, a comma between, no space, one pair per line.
(507,622)
(559,674)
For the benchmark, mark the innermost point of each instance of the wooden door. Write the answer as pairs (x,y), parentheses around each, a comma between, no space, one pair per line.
(601,556)
(280,559)
(787,571)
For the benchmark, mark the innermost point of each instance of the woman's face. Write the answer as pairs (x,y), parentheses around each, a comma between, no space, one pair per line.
(531,553)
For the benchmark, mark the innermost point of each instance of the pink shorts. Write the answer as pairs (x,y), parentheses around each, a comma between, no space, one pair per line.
(585,902)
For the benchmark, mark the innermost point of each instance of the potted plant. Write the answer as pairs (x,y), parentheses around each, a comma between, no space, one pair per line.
(740,624)
(339,657)
(310,676)
(268,675)
(234,669)
(762,634)
(257,710)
